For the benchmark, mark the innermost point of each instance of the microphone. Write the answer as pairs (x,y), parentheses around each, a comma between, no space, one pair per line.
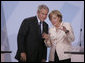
(81,29)
(80,37)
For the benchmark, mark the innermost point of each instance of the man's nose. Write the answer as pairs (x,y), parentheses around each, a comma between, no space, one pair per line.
(45,16)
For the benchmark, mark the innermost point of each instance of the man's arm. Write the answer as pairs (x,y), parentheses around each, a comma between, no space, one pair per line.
(22,36)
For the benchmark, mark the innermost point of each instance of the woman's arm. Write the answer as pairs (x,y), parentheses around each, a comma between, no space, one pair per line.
(69,33)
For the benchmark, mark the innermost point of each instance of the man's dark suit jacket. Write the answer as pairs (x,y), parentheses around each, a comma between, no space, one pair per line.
(30,41)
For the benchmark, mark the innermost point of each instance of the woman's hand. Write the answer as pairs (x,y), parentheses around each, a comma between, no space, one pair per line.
(63,28)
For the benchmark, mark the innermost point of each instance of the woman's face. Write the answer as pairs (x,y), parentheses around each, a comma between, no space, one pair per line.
(55,20)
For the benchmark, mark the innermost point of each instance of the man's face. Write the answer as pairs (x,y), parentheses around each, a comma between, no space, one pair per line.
(42,14)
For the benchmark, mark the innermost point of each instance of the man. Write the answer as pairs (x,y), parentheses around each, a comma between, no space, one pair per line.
(31,47)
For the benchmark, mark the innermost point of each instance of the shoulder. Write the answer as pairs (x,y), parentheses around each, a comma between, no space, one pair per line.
(30,18)
(45,23)
(66,24)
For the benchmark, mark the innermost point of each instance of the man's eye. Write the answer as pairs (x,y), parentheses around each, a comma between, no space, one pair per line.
(43,13)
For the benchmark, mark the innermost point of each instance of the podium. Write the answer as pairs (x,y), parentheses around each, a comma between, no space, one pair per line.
(74,52)
(77,55)
(6,52)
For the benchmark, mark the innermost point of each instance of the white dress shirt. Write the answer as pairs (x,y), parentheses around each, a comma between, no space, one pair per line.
(41,24)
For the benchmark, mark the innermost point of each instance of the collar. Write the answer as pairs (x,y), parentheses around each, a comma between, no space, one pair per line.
(38,20)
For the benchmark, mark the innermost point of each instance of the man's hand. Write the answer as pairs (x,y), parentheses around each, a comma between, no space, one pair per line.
(23,57)
(45,36)
(43,60)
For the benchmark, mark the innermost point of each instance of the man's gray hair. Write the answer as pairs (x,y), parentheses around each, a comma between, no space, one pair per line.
(43,7)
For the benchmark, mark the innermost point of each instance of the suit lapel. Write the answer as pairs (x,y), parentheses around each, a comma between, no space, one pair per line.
(45,27)
(36,26)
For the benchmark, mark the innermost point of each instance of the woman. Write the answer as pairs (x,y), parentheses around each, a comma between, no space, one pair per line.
(59,38)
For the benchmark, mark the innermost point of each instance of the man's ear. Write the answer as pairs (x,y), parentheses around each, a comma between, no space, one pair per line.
(38,12)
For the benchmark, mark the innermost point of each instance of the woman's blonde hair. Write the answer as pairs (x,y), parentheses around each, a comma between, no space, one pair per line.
(56,13)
